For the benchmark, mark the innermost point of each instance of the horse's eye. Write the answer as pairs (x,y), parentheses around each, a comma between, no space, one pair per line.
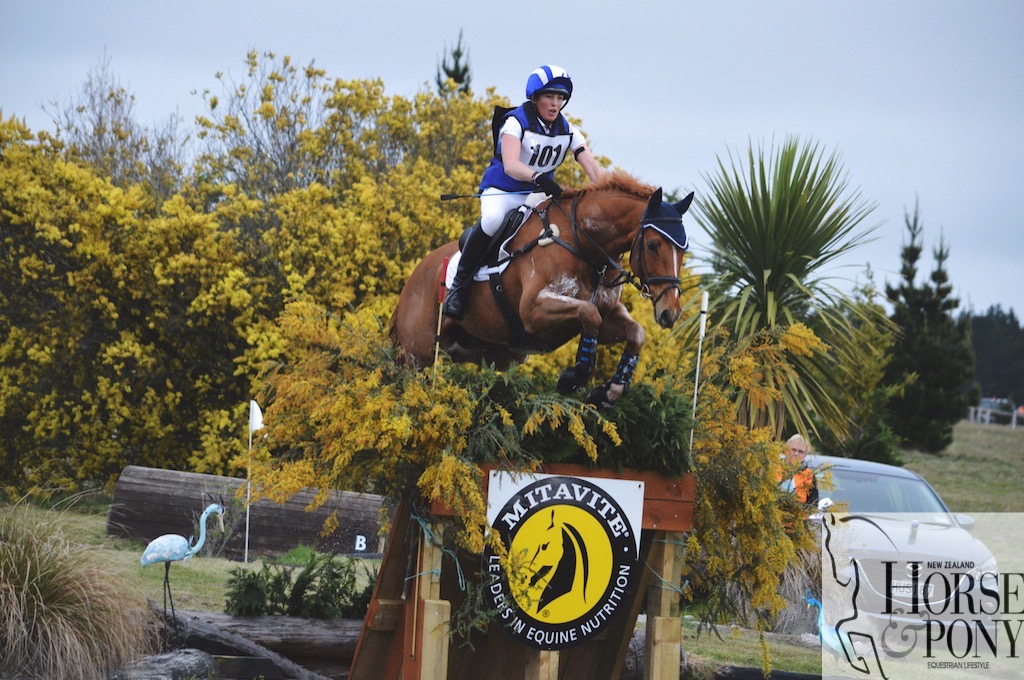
(652,245)
(545,546)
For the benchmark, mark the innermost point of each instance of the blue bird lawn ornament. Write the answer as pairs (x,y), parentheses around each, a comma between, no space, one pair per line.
(837,642)
(840,645)
(174,548)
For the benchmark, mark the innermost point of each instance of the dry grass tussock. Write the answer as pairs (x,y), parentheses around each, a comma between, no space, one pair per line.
(801,577)
(61,614)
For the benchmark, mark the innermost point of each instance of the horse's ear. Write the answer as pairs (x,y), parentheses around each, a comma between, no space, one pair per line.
(684,205)
(655,202)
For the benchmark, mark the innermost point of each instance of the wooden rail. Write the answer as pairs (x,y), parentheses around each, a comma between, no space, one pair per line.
(990,416)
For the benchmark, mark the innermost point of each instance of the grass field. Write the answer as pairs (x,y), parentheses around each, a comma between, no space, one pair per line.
(978,473)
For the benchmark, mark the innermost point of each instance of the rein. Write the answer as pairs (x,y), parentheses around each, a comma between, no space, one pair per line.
(642,282)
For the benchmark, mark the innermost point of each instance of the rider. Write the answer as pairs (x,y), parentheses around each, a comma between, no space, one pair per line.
(532,142)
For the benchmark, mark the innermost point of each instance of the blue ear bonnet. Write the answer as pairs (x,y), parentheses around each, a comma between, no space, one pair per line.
(667,218)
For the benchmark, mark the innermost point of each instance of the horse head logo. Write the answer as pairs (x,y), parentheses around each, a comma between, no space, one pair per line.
(560,564)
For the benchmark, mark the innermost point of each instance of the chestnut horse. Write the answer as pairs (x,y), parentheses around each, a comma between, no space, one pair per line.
(563,279)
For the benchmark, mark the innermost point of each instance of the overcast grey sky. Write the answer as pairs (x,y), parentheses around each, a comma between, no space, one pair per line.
(922,99)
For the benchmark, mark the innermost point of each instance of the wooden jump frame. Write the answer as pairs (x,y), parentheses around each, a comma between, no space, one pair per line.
(405,635)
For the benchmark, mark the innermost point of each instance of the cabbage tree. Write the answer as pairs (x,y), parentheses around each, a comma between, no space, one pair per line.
(778,221)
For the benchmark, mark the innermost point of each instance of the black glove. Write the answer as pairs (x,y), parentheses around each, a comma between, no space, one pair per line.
(548,185)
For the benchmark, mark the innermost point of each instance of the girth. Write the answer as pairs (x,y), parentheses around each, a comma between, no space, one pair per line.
(519,338)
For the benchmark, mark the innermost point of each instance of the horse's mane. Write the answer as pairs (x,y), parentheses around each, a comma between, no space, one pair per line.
(619,181)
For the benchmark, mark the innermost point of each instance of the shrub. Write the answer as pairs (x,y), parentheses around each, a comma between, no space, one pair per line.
(61,616)
(298,556)
(325,588)
(247,593)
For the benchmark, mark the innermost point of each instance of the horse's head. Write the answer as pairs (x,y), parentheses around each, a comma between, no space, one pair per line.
(657,255)
(559,565)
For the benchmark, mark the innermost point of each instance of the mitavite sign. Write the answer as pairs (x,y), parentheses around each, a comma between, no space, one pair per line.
(573,553)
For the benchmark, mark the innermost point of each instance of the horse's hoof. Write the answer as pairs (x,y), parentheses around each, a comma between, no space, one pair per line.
(568,382)
(599,398)
(573,378)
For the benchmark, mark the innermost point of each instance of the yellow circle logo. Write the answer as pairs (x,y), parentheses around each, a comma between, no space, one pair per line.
(566,562)
(571,561)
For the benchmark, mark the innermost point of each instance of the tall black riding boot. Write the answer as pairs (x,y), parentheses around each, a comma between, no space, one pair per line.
(472,253)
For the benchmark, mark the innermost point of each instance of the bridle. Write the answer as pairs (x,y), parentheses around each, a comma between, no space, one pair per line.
(645,280)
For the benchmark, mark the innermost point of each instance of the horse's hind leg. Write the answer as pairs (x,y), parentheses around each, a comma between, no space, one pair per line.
(462,347)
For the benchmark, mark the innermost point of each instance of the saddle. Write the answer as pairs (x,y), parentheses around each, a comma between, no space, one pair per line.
(495,255)
(493,264)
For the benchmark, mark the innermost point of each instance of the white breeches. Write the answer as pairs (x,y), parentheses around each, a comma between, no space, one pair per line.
(494,205)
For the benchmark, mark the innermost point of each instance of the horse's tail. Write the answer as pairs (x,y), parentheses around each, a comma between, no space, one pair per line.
(393,330)
(415,324)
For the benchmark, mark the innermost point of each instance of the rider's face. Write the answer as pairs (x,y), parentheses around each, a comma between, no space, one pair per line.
(549,104)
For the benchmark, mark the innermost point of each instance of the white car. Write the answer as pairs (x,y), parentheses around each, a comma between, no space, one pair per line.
(895,551)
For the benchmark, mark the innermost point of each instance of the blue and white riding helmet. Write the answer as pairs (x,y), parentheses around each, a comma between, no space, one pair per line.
(549,78)
(667,218)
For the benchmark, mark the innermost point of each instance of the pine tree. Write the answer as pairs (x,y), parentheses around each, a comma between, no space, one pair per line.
(454,69)
(998,341)
(933,346)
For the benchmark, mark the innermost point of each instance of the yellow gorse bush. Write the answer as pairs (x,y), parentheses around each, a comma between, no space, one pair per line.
(746,530)
(344,414)
(135,330)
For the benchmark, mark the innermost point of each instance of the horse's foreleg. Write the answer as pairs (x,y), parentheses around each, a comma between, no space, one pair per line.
(619,326)
(551,309)
(607,394)
(576,377)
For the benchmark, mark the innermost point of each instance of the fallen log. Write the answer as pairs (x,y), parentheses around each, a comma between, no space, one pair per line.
(149,502)
(291,636)
(212,640)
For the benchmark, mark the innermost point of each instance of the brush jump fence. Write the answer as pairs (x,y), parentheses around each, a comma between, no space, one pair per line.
(405,633)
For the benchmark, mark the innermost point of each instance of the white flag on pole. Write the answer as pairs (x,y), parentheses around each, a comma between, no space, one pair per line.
(255,416)
(255,423)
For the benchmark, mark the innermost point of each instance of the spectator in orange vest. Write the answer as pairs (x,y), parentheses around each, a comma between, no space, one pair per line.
(801,483)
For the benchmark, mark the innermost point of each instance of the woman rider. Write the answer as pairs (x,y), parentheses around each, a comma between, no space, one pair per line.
(533,140)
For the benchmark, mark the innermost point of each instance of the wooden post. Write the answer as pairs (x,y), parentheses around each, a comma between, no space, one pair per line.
(664,627)
(434,655)
(542,666)
(667,563)
(426,647)
(662,661)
